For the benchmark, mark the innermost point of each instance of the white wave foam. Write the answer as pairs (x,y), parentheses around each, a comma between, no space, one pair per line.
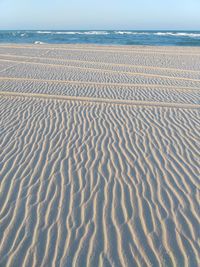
(189,34)
(162,33)
(132,33)
(185,34)
(39,42)
(75,32)
(121,32)
(97,33)
(44,32)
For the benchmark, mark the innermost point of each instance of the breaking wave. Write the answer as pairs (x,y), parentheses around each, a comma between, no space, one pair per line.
(179,34)
(74,32)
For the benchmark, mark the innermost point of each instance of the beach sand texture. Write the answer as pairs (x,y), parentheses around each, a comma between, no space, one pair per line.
(99,156)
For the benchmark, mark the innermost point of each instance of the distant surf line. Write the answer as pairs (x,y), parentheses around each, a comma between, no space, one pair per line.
(159,33)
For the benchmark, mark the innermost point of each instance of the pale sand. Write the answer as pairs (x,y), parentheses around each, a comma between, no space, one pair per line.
(99,156)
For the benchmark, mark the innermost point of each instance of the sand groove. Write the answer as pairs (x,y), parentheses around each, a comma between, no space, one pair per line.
(110,91)
(192,75)
(8,57)
(103,100)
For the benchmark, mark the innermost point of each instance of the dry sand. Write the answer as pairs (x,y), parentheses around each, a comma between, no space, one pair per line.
(99,156)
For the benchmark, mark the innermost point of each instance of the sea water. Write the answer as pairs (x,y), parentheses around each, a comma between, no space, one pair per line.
(118,37)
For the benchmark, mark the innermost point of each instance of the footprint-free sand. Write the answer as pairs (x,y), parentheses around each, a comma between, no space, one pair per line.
(99,156)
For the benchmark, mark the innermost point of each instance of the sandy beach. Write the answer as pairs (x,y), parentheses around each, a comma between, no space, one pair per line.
(99,155)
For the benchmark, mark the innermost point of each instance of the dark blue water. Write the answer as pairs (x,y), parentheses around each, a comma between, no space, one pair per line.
(162,38)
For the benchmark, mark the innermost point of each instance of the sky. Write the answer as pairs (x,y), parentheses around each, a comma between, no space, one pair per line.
(100,14)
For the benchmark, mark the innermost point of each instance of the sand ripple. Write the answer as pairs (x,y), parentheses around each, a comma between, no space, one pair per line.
(98,184)
(99,164)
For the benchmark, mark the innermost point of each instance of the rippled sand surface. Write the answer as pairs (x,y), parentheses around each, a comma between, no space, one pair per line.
(99,156)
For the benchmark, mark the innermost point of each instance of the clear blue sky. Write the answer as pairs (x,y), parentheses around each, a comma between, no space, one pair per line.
(100,14)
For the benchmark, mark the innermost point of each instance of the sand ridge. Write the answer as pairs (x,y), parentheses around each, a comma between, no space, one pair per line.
(102,100)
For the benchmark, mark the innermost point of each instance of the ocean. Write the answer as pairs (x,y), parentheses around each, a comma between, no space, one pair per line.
(160,38)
